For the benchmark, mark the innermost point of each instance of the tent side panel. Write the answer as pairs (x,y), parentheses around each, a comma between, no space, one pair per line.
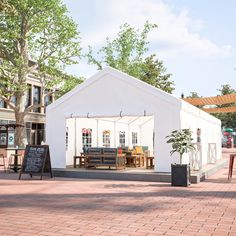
(166,119)
(193,119)
(56,139)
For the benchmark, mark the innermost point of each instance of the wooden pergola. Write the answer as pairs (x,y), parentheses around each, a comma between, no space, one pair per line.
(217,100)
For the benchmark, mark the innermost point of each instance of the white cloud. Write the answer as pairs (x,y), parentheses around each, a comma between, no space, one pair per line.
(177,33)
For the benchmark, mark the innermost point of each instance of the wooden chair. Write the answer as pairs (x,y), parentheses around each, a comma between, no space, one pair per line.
(231,166)
(138,151)
(82,161)
(3,163)
(149,162)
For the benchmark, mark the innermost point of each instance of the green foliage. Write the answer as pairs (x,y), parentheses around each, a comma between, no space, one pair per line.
(41,32)
(226,89)
(36,37)
(68,83)
(227,119)
(127,52)
(193,95)
(181,142)
(5,7)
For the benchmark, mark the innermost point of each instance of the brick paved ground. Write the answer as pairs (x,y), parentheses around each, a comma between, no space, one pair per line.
(95,207)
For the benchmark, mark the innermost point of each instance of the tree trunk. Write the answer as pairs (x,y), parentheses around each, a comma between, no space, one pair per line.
(20,119)
(19,132)
(22,76)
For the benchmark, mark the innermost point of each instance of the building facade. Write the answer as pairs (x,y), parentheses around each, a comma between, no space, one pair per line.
(34,121)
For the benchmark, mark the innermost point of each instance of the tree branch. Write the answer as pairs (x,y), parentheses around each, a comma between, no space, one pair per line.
(8,102)
(4,53)
(31,107)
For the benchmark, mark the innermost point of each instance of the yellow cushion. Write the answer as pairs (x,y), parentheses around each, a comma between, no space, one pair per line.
(138,150)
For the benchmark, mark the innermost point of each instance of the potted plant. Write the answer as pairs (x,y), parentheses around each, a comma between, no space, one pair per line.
(181,143)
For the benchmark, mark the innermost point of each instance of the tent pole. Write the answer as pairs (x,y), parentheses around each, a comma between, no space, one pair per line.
(97,133)
(114,133)
(75,132)
(128,135)
(140,135)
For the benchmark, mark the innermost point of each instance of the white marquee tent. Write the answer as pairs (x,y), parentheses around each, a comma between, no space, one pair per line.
(111,96)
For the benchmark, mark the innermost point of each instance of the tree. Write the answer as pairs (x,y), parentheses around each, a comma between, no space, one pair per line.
(127,52)
(40,38)
(227,119)
(193,95)
(69,82)
(5,7)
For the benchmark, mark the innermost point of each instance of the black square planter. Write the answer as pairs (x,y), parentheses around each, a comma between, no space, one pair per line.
(180,175)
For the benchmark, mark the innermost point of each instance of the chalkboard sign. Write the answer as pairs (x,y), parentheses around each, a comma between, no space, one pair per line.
(36,160)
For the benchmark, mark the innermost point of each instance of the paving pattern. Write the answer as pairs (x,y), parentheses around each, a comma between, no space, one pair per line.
(102,207)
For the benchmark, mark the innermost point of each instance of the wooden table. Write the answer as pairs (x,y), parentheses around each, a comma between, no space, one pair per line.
(134,161)
(15,166)
(231,166)
(149,162)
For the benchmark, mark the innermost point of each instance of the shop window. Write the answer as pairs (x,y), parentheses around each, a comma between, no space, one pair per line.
(67,138)
(106,137)
(122,138)
(3,138)
(7,134)
(87,137)
(11,138)
(134,138)
(2,104)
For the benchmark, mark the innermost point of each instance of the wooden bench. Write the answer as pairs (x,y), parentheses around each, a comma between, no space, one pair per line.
(105,157)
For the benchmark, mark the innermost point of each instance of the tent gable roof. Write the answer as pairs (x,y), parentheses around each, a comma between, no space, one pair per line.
(125,78)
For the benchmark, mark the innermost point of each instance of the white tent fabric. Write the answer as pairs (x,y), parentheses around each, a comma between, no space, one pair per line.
(113,94)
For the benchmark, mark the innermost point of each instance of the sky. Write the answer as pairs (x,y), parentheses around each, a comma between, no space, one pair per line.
(196,39)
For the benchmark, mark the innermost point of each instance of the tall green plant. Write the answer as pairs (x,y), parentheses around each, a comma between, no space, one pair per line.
(181,142)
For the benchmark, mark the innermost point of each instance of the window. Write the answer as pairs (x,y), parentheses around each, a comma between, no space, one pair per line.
(7,134)
(2,104)
(13,99)
(67,138)
(28,96)
(36,97)
(48,98)
(134,138)
(87,137)
(3,138)
(122,138)
(106,138)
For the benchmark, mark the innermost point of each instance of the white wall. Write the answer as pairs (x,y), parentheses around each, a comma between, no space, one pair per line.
(167,119)
(146,138)
(56,139)
(193,118)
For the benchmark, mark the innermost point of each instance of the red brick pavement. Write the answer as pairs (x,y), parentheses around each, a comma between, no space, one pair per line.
(101,207)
